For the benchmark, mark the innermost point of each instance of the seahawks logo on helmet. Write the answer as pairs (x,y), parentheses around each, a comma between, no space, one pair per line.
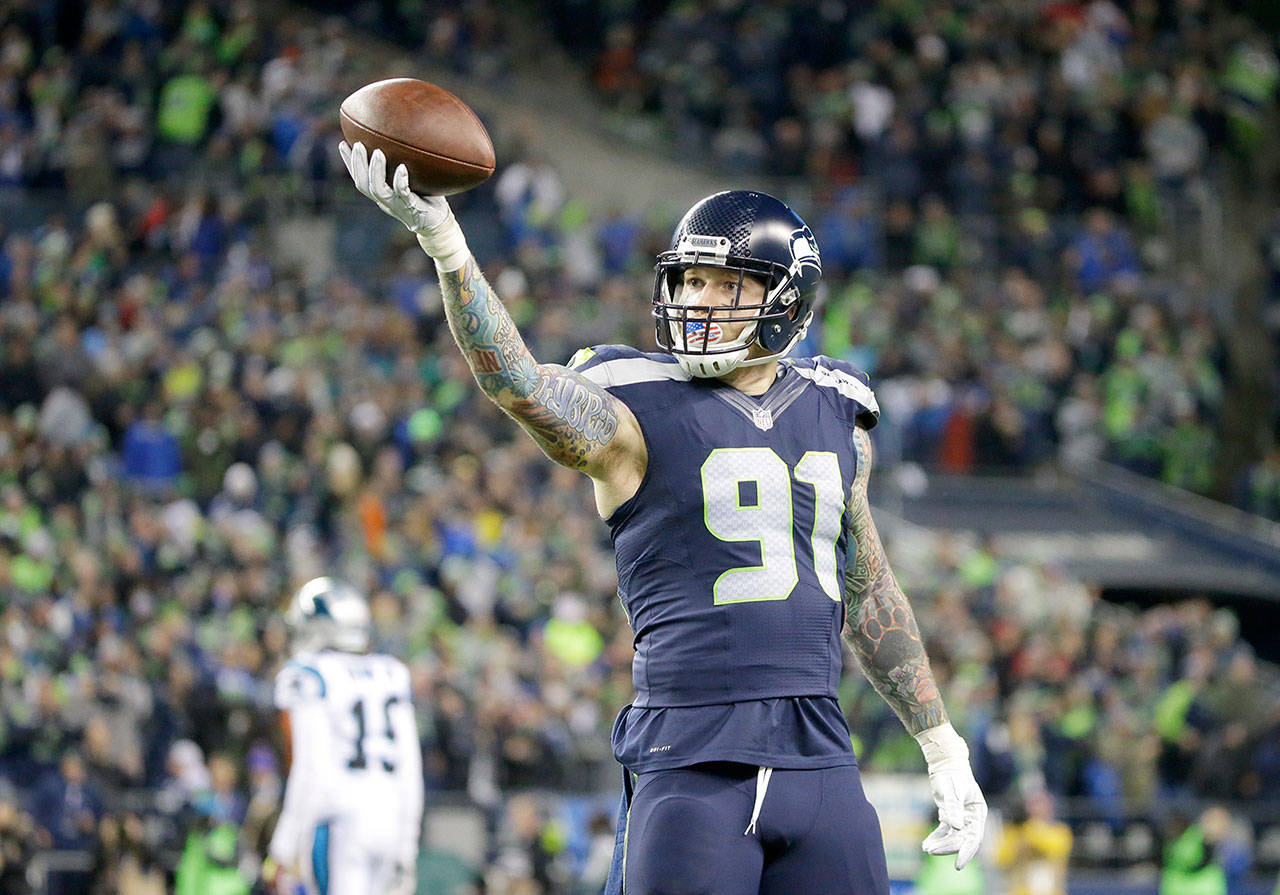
(804,248)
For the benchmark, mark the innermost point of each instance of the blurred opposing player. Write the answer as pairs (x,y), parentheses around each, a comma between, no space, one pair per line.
(734,484)
(353,803)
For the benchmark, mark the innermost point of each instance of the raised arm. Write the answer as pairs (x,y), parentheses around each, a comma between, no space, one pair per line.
(576,422)
(881,627)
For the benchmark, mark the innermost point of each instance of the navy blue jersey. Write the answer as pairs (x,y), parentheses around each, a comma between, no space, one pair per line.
(731,559)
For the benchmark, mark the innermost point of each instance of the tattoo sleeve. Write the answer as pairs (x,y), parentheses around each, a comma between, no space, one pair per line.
(568,415)
(881,626)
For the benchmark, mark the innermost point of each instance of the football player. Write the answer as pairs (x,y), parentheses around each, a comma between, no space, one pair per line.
(352,811)
(734,484)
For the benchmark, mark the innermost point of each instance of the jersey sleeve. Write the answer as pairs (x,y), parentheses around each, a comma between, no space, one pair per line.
(305,793)
(639,379)
(587,357)
(298,683)
(300,690)
(848,387)
(599,362)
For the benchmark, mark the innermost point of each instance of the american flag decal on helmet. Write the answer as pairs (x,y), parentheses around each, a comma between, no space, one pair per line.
(695,332)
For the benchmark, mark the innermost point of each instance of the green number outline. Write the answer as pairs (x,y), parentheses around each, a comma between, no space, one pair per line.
(828,579)
(790,540)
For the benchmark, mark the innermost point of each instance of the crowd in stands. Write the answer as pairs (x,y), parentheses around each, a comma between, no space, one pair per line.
(1258,487)
(190,428)
(1029,191)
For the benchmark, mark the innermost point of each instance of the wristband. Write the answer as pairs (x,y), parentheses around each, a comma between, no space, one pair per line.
(446,244)
(942,746)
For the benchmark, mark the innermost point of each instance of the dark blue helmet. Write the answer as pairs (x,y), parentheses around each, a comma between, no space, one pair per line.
(757,235)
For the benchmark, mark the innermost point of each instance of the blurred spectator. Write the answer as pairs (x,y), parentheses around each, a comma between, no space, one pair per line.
(1102,253)
(531,847)
(17,840)
(67,808)
(1034,847)
(938,876)
(1190,864)
(221,802)
(530,196)
(1258,489)
(1229,838)
(599,857)
(126,862)
(149,451)
(67,805)
(210,861)
(110,772)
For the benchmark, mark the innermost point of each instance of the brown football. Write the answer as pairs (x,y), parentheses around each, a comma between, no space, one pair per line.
(424,127)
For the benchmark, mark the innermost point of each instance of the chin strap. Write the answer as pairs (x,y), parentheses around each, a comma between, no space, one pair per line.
(707,366)
(757,361)
(700,364)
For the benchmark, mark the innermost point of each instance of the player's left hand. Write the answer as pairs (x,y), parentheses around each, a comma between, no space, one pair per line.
(962,811)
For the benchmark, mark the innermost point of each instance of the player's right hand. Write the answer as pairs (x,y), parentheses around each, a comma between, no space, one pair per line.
(420,214)
(280,878)
(273,876)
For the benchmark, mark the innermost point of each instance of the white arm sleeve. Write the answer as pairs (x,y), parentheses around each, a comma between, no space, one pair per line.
(300,692)
(409,759)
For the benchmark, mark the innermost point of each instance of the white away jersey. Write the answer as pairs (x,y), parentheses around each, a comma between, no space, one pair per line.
(356,755)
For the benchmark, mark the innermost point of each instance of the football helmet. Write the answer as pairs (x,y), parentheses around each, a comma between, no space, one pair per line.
(329,613)
(756,235)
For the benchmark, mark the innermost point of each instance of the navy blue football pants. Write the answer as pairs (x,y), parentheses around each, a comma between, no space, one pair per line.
(685,833)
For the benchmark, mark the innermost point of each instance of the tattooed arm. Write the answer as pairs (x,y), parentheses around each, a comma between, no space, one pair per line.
(576,422)
(881,627)
(883,632)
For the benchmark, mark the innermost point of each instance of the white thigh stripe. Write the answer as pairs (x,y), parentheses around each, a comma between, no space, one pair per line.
(762,786)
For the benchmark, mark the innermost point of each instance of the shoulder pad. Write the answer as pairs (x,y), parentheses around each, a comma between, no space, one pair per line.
(298,682)
(584,358)
(852,385)
(400,674)
(614,365)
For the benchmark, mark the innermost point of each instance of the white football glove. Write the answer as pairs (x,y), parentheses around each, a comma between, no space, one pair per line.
(962,811)
(427,217)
